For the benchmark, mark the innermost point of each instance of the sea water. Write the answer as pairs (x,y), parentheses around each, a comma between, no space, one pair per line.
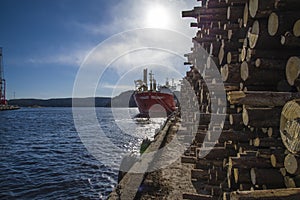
(43,156)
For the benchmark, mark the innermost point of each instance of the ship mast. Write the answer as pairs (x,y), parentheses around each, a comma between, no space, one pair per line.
(2,81)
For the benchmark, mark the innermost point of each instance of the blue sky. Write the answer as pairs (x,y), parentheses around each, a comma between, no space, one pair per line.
(46,43)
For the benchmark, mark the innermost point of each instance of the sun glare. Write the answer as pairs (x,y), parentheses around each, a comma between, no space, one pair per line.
(157,17)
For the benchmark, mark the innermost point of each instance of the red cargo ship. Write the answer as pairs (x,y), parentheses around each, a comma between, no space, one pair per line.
(155,101)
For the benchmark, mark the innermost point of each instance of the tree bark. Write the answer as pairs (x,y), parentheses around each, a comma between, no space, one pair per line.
(287,5)
(260,8)
(268,177)
(274,194)
(257,98)
(230,73)
(261,117)
(289,40)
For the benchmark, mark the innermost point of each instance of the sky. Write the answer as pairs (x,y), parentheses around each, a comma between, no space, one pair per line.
(80,48)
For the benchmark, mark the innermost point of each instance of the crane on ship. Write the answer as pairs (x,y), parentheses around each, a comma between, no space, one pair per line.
(2,81)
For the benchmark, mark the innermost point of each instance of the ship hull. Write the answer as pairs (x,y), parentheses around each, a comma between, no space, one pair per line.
(154,103)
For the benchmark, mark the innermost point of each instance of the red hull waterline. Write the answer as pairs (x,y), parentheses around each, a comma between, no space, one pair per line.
(154,104)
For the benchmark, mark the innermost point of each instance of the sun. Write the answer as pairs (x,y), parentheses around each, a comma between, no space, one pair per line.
(157,17)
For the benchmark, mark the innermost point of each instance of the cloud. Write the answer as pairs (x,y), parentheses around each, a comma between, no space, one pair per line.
(70,57)
(132,14)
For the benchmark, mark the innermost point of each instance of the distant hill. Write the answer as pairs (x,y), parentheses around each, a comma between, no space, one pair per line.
(125,99)
(61,102)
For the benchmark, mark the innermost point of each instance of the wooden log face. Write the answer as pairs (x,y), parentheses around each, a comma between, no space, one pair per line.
(292,164)
(260,8)
(290,126)
(292,69)
(296,28)
(280,22)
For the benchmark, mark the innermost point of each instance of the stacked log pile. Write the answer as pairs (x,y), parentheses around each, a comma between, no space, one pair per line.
(255,45)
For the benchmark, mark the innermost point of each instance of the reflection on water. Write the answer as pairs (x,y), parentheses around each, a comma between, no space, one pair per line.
(42,156)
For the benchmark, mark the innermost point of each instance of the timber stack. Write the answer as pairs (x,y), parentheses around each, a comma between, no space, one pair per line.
(255,46)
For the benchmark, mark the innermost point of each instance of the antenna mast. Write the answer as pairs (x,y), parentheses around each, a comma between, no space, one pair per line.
(2,80)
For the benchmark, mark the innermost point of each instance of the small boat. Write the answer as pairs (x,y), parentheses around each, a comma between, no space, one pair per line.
(153,101)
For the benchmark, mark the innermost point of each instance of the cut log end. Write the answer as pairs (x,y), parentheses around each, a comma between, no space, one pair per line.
(246,15)
(245,117)
(253,176)
(244,71)
(292,69)
(290,126)
(296,28)
(291,164)
(254,35)
(253,7)
(273,24)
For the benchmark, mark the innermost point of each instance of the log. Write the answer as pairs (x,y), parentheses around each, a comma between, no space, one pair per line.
(273,194)
(234,12)
(214,51)
(281,86)
(272,64)
(189,13)
(277,160)
(292,70)
(260,38)
(188,159)
(260,8)
(292,182)
(230,73)
(241,175)
(296,28)
(233,57)
(258,98)
(235,2)
(270,54)
(247,162)
(268,177)
(261,117)
(199,174)
(292,164)
(235,136)
(243,54)
(198,197)
(216,4)
(207,164)
(236,120)
(290,126)
(287,5)
(280,22)
(246,22)
(267,142)
(216,153)
(254,76)
(289,40)
(211,18)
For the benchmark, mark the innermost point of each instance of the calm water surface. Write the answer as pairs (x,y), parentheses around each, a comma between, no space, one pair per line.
(42,156)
